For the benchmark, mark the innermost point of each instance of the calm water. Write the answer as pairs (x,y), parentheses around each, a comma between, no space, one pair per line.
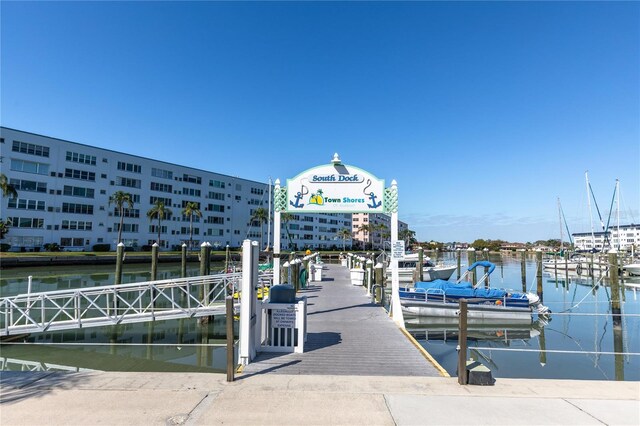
(187,345)
(176,345)
(515,350)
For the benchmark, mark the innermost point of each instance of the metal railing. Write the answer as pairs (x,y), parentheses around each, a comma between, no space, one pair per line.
(117,304)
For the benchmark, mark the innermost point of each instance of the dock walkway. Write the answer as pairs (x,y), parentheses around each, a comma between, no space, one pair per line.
(346,335)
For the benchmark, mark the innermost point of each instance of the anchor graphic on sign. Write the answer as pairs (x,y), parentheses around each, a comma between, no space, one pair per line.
(372,196)
(303,191)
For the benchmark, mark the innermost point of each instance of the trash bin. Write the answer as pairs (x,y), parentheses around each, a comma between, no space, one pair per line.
(343,262)
(282,293)
(357,276)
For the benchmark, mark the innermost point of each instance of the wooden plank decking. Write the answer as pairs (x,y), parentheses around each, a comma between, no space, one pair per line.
(347,335)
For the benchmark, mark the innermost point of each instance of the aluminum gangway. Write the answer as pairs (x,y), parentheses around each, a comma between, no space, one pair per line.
(119,304)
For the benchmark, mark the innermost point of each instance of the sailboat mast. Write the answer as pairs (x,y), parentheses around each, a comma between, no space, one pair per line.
(618,210)
(560,222)
(593,236)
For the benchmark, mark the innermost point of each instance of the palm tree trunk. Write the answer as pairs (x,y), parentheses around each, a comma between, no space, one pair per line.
(159,227)
(191,231)
(121,224)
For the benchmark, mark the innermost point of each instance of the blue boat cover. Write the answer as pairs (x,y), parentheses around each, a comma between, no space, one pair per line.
(484,263)
(462,289)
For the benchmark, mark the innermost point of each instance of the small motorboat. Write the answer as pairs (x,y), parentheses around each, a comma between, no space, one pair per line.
(441,298)
(632,269)
(430,270)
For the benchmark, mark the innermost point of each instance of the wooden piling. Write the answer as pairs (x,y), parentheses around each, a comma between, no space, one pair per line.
(119,259)
(615,285)
(420,263)
(226,260)
(539,273)
(523,269)
(462,343)
(458,261)
(154,262)
(183,265)
(230,340)
(471,255)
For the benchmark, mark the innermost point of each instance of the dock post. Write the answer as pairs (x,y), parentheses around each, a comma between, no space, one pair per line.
(226,260)
(119,258)
(485,254)
(462,343)
(208,257)
(183,265)
(539,273)
(458,260)
(523,269)
(230,345)
(154,262)
(420,263)
(471,256)
(203,270)
(369,275)
(615,287)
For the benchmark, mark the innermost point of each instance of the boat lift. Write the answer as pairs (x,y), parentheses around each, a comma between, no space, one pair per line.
(482,279)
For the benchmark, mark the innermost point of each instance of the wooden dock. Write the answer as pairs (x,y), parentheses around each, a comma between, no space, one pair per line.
(346,335)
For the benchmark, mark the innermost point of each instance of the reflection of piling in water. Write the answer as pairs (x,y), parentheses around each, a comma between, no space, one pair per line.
(543,348)
(113,339)
(119,253)
(618,348)
(523,269)
(150,328)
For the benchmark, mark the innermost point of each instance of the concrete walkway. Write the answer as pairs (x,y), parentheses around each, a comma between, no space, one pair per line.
(277,399)
(347,335)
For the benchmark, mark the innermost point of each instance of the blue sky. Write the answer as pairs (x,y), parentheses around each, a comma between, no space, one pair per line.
(484,112)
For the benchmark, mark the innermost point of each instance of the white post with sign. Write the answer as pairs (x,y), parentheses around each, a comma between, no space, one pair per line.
(397,253)
(276,237)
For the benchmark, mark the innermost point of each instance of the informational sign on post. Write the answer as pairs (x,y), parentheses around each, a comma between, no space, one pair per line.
(284,318)
(397,249)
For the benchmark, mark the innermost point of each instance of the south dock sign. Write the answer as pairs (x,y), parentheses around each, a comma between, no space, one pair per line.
(335,188)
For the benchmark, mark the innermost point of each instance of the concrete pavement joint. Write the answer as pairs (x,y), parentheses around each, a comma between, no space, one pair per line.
(587,413)
(200,408)
(386,403)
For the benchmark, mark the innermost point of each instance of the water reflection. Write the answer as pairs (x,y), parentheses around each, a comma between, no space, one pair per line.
(583,339)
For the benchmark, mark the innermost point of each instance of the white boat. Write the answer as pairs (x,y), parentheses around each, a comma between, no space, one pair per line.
(632,269)
(430,270)
(577,262)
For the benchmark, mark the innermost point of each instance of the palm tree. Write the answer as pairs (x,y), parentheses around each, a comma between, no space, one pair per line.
(8,190)
(407,235)
(160,212)
(366,228)
(191,209)
(286,218)
(120,199)
(345,234)
(261,215)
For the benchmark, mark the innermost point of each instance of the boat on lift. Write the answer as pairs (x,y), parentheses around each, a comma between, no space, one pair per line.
(430,270)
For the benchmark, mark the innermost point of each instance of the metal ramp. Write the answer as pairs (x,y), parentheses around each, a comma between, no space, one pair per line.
(118,304)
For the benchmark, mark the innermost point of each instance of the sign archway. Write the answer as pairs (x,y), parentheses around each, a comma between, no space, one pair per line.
(338,188)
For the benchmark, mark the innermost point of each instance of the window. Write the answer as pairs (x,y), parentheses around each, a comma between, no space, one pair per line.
(191,179)
(30,148)
(128,182)
(26,204)
(79,174)
(162,187)
(126,212)
(161,173)
(257,191)
(215,208)
(26,222)
(77,191)
(71,242)
(126,227)
(216,183)
(215,232)
(185,230)
(77,208)
(28,185)
(76,157)
(191,192)
(129,167)
(78,225)
(216,195)
(29,167)
(165,201)
(216,220)
(154,229)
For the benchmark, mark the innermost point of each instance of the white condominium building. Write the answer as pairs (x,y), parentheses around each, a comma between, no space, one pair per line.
(64,189)
(625,239)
